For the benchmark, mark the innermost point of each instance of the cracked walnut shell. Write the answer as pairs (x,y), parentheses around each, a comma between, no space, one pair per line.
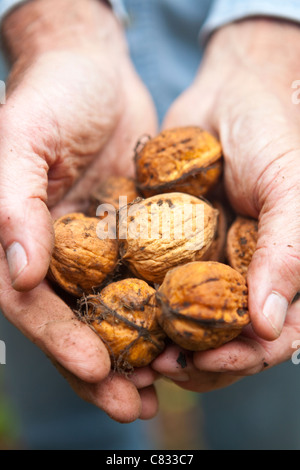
(124,315)
(204,305)
(80,260)
(183,159)
(164,231)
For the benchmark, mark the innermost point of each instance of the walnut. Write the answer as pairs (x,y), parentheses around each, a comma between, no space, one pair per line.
(81,261)
(184,159)
(204,305)
(241,243)
(109,192)
(164,231)
(124,315)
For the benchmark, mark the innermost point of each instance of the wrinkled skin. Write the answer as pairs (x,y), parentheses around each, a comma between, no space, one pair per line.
(69,120)
(58,134)
(251,110)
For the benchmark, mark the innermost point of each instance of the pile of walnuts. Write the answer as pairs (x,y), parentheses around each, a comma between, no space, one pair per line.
(159,258)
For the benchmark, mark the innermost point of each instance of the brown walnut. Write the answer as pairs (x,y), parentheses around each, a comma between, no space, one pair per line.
(204,305)
(241,243)
(216,252)
(109,192)
(161,232)
(124,315)
(81,261)
(183,159)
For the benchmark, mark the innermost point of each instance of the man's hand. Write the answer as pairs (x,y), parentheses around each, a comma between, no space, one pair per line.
(243,94)
(75,109)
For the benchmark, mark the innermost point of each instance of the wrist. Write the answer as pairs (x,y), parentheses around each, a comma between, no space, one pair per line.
(249,62)
(41,26)
(257,44)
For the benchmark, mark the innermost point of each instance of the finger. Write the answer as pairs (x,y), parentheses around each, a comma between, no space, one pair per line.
(26,232)
(242,356)
(274,273)
(118,397)
(149,402)
(47,321)
(283,348)
(115,395)
(174,363)
(203,382)
(190,372)
(191,108)
(190,378)
(250,354)
(143,377)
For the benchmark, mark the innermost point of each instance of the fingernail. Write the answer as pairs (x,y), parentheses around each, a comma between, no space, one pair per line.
(17,260)
(275,310)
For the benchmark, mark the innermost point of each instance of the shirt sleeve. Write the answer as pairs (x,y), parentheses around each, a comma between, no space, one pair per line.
(227,11)
(117,5)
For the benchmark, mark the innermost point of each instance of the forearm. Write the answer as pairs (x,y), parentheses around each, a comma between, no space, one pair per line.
(41,26)
(260,46)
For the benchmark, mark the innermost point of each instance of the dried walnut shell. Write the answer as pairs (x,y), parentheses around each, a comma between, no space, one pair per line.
(81,261)
(241,243)
(124,315)
(204,305)
(170,233)
(184,159)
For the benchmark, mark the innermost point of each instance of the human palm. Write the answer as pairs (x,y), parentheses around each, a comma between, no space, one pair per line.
(70,120)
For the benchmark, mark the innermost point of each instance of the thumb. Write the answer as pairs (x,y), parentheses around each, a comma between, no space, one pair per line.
(274,273)
(26,232)
(191,108)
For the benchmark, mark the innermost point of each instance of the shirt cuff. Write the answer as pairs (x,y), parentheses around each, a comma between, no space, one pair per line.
(117,5)
(227,11)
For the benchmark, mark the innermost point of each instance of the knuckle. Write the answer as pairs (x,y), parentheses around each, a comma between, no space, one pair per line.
(278,183)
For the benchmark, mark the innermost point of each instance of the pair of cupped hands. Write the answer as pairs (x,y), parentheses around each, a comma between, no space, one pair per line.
(74,112)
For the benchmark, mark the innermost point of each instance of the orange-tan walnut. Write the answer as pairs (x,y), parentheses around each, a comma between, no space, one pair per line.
(81,261)
(183,159)
(164,231)
(241,243)
(110,191)
(124,315)
(204,305)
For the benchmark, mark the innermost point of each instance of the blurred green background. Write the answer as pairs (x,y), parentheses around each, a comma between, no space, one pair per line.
(9,427)
(176,427)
